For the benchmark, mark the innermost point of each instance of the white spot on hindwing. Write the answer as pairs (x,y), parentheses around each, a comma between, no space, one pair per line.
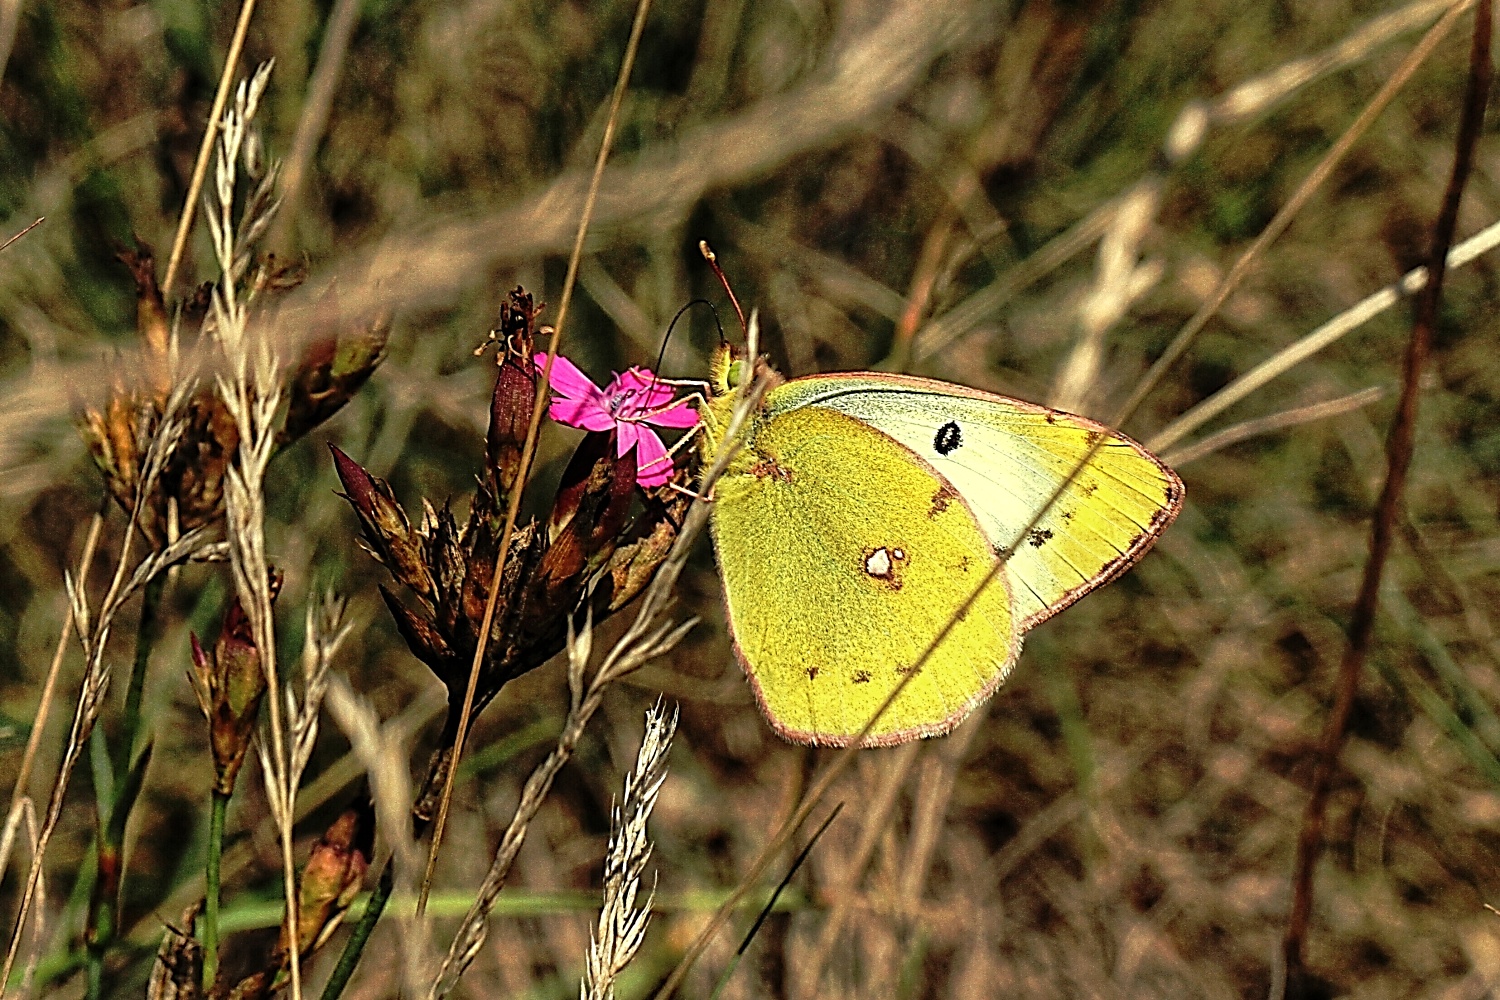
(885,565)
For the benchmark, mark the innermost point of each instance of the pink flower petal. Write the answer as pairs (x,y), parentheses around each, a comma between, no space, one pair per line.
(577,401)
(626,435)
(679,415)
(653,465)
(586,413)
(567,378)
(647,392)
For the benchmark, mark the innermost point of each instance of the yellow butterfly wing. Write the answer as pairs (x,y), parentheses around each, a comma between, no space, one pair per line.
(843,555)
(1006,458)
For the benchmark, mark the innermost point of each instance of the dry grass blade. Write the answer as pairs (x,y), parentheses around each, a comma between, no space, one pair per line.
(93,633)
(8,243)
(528,449)
(1254,97)
(877,815)
(383,751)
(1269,424)
(250,391)
(23,814)
(49,686)
(621,927)
(317,104)
(942,331)
(1121,278)
(874,70)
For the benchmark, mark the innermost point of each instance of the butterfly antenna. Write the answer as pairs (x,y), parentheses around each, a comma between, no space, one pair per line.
(713,262)
(666,338)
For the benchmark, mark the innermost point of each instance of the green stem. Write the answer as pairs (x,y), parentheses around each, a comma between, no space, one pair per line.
(147,632)
(104,901)
(211,906)
(355,946)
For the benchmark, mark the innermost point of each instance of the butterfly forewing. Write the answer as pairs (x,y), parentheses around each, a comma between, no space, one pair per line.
(1007,458)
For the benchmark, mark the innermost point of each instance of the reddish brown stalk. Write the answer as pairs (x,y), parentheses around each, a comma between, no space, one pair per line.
(1399,445)
(528,450)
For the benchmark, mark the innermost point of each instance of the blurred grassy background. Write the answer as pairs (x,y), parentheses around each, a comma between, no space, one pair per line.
(1121,819)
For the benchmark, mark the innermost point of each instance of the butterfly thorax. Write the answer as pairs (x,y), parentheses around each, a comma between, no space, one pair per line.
(727,385)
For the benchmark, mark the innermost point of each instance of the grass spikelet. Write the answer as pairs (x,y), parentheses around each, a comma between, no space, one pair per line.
(621,928)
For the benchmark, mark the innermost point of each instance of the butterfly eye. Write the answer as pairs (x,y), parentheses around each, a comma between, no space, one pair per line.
(735,376)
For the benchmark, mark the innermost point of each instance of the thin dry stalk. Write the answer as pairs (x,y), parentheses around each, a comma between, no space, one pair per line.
(316,105)
(49,686)
(326,632)
(1294,354)
(97,674)
(1399,446)
(969,314)
(528,449)
(205,149)
(1256,96)
(94,634)
(646,638)
(1185,137)
(23,813)
(621,928)
(40,219)
(1269,424)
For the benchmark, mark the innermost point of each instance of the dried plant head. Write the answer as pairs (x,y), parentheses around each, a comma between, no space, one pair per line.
(596,541)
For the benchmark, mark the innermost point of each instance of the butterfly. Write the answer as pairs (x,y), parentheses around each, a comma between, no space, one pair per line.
(861,510)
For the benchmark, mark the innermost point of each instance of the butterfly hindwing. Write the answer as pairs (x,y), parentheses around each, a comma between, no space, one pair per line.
(843,554)
(1006,458)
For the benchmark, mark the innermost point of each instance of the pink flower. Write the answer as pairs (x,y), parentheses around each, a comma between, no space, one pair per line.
(632,400)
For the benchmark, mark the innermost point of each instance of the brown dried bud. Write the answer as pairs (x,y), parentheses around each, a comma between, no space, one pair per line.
(339,359)
(151,320)
(632,566)
(335,870)
(515,394)
(388,534)
(230,685)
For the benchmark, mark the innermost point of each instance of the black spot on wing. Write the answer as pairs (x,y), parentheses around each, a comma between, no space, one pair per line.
(948,438)
(1039,537)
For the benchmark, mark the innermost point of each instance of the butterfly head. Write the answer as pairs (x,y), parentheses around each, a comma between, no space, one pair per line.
(730,371)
